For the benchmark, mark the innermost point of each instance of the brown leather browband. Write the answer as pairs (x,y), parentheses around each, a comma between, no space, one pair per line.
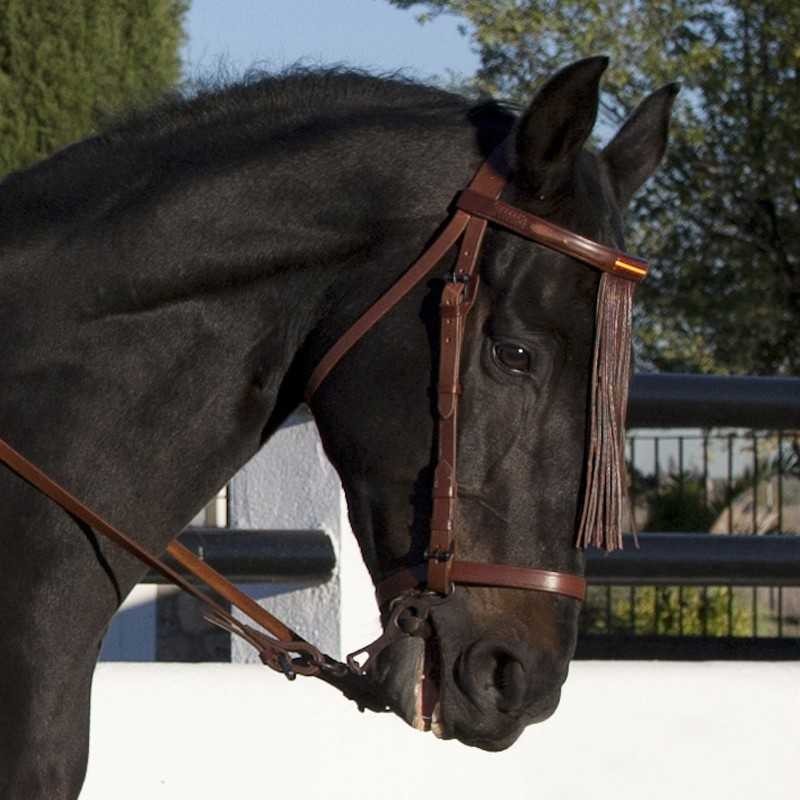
(285,650)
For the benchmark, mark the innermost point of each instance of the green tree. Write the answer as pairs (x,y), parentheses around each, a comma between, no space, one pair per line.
(64,65)
(720,219)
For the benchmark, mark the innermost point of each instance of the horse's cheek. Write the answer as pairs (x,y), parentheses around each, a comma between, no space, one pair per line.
(488,440)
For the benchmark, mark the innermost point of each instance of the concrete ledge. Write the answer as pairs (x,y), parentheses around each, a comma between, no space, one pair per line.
(624,731)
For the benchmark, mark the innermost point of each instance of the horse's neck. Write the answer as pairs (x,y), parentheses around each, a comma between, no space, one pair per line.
(155,341)
(145,369)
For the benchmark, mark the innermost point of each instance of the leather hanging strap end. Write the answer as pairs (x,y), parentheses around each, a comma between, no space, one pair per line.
(444,484)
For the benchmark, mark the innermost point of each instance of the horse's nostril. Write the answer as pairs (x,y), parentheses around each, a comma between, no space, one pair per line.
(509,682)
(493,673)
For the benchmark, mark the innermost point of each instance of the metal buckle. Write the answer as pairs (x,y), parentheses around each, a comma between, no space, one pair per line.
(291,658)
(440,556)
(419,604)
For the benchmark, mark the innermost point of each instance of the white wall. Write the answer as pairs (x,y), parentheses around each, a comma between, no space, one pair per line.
(290,484)
(624,731)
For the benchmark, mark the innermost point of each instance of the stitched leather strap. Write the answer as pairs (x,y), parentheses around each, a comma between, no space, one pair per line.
(553,236)
(457,299)
(479,574)
(378,310)
(276,653)
(488,180)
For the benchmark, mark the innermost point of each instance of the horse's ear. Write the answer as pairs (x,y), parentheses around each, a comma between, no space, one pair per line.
(634,153)
(556,125)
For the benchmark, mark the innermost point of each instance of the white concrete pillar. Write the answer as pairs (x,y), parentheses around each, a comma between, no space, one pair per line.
(290,484)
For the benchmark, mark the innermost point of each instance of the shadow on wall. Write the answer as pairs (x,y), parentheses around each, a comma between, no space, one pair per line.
(132,633)
(161,623)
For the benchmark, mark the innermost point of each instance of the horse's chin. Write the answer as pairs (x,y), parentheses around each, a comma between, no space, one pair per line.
(467,729)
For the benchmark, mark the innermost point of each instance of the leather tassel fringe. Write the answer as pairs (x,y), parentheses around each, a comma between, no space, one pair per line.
(606,480)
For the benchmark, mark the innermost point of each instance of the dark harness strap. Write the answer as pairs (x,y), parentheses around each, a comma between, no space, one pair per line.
(486,181)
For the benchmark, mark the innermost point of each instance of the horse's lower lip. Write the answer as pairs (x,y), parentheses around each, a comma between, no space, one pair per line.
(419,721)
(437,727)
(427,705)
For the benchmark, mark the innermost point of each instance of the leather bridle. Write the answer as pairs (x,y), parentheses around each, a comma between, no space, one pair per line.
(419,587)
(476,206)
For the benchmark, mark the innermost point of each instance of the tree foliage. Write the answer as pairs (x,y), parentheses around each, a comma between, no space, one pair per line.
(720,219)
(670,611)
(63,65)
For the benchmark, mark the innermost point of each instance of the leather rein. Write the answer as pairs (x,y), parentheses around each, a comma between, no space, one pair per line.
(416,589)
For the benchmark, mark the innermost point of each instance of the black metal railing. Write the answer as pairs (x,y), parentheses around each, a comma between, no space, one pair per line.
(697,559)
(261,556)
(708,457)
(662,400)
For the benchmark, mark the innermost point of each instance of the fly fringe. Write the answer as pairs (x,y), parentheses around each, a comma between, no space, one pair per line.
(606,483)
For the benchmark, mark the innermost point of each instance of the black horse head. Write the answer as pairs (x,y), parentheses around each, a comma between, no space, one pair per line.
(170,285)
(499,655)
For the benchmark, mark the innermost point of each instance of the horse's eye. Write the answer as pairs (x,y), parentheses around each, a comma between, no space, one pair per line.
(512,357)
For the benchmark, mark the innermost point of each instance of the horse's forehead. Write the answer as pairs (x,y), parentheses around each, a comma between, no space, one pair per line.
(537,280)
(540,287)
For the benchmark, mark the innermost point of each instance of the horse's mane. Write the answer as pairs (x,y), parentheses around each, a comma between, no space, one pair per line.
(215,124)
(266,100)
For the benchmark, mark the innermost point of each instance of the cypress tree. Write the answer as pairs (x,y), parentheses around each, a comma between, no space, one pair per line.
(64,64)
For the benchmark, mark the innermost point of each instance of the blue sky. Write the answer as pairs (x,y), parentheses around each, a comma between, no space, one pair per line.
(361,33)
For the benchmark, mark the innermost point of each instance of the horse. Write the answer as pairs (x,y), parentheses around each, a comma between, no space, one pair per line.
(167,288)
